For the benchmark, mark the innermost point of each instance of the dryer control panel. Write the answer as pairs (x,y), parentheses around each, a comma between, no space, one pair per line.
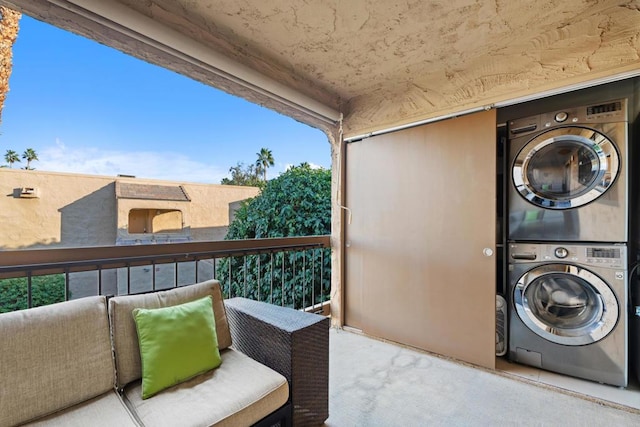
(605,112)
(612,256)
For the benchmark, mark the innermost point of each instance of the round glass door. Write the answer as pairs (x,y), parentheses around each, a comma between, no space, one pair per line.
(566,304)
(565,168)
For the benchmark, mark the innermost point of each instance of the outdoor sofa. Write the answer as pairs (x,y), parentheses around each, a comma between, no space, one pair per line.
(78,363)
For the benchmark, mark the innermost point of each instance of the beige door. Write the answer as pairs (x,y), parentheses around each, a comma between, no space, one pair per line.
(418,265)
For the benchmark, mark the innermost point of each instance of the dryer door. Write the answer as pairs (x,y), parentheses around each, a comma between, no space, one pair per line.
(565,167)
(566,304)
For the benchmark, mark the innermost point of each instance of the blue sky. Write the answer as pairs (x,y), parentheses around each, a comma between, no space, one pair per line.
(87,108)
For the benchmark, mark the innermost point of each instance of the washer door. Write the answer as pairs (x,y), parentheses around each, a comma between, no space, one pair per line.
(565,167)
(566,304)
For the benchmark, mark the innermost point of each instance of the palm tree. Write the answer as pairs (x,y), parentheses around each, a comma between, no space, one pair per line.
(11,157)
(265,159)
(8,33)
(30,155)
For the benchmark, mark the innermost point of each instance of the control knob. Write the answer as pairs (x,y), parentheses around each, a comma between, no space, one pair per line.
(561,117)
(561,252)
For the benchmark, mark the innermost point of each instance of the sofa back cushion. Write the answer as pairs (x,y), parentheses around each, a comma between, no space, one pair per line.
(53,357)
(123,327)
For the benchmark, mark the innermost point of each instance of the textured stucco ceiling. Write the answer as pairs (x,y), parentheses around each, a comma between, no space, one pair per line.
(387,62)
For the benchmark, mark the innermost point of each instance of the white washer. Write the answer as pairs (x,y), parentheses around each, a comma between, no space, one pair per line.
(568,309)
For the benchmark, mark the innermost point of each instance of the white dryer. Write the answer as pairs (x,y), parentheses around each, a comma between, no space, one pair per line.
(569,175)
(568,309)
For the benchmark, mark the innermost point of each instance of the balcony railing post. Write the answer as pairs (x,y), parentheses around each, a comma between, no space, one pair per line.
(304,278)
(313,278)
(99,281)
(293,282)
(175,270)
(67,282)
(259,283)
(129,278)
(282,284)
(230,278)
(29,291)
(244,270)
(321,273)
(271,277)
(153,274)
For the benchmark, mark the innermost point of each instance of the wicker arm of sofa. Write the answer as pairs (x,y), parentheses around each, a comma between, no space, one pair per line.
(291,342)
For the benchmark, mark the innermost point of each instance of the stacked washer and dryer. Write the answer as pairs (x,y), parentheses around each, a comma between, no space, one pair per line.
(567,241)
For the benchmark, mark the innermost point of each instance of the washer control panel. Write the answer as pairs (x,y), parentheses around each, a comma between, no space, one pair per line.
(605,112)
(613,256)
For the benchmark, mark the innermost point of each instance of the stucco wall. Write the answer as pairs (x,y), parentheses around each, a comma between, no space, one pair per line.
(82,210)
(71,210)
(210,208)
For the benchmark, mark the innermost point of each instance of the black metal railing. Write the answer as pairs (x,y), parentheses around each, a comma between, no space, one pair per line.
(293,272)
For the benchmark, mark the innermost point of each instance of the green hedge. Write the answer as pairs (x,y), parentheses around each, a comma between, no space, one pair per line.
(44,290)
(297,203)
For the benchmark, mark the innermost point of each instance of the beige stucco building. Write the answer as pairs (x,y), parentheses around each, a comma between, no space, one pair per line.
(51,209)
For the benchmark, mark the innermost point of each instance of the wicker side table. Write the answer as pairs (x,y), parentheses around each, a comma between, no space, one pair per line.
(293,343)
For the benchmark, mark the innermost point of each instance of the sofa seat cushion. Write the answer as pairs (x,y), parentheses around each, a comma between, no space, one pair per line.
(123,327)
(53,357)
(238,393)
(106,410)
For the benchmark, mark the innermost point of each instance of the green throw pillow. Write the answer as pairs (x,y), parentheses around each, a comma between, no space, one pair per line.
(176,343)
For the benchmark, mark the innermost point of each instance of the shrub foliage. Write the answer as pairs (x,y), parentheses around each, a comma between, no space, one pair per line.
(44,290)
(297,203)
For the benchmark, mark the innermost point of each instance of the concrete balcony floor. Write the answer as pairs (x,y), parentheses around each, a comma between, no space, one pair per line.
(374,383)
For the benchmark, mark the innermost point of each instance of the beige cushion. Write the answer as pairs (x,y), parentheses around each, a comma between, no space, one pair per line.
(107,410)
(125,338)
(53,357)
(238,393)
